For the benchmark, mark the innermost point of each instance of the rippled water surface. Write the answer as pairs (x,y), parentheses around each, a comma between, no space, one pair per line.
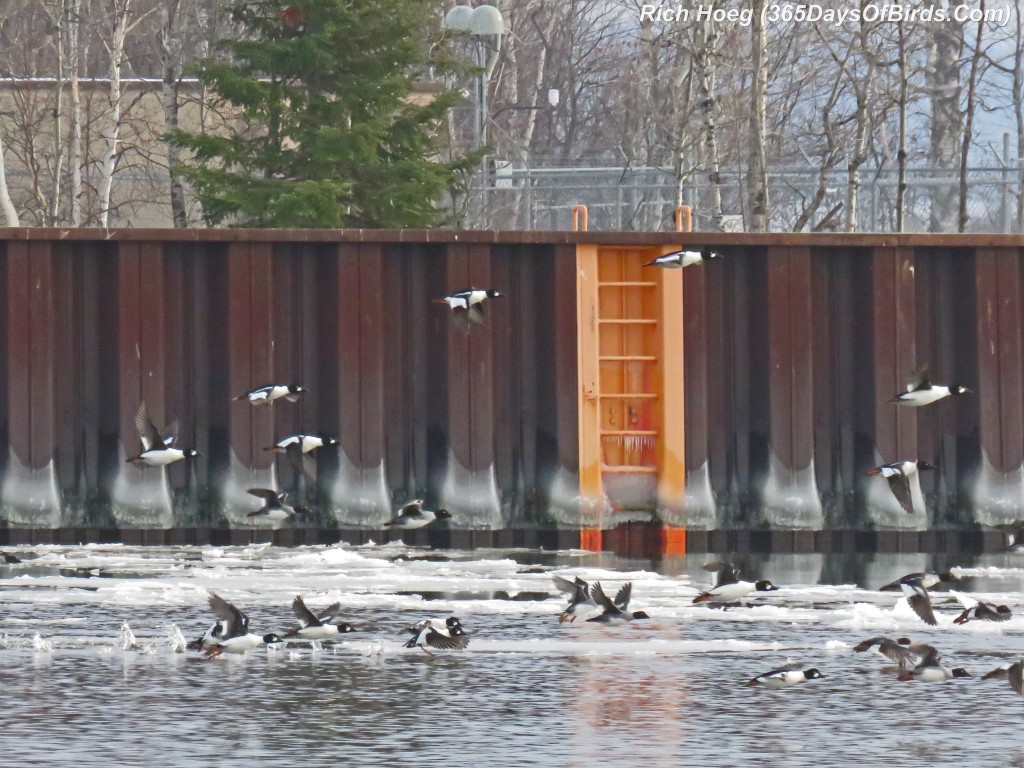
(93,674)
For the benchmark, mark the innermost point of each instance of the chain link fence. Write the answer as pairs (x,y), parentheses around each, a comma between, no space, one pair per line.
(645,199)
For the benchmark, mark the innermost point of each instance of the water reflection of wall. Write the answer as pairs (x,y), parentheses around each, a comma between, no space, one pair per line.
(618,696)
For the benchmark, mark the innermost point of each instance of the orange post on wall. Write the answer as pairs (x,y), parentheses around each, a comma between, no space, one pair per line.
(592,506)
(630,368)
(684,219)
(580,219)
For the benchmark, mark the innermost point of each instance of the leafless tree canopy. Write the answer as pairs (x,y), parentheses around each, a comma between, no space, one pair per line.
(807,124)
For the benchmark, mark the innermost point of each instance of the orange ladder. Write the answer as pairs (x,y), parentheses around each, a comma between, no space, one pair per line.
(631,389)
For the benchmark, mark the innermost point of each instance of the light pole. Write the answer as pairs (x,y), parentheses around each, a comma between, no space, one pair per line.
(485,26)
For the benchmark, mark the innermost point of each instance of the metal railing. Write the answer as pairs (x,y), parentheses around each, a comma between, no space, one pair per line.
(646,199)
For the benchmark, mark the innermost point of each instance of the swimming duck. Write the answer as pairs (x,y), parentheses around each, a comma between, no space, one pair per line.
(930,670)
(233,635)
(268,393)
(785,676)
(615,611)
(1013,673)
(920,391)
(413,515)
(683,258)
(157,450)
(315,626)
(898,474)
(729,588)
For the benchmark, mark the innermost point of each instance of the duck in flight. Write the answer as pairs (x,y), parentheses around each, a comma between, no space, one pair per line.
(683,258)
(317,626)
(580,599)
(274,507)
(268,393)
(728,587)
(231,633)
(920,390)
(412,516)
(467,306)
(451,637)
(898,475)
(615,611)
(786,676)
(157,449)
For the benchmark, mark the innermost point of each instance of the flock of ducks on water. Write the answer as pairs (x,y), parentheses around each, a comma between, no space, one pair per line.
(588,601)
(916,661)
(230,633)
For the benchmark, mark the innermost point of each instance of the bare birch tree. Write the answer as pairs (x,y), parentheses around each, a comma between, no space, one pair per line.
(170,59)
(757,167)
(969,110)
(6,204)
(120,10)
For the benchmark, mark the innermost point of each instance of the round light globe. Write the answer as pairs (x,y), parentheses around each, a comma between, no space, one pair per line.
(487,20)
(459,18)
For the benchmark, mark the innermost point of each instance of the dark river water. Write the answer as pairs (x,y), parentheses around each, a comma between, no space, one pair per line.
(94,675)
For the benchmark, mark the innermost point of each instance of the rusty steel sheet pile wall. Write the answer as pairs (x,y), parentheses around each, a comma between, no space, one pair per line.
(90,327)
(792,347)
(793,351)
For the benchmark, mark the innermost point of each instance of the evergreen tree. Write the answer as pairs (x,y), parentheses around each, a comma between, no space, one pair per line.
(330,134)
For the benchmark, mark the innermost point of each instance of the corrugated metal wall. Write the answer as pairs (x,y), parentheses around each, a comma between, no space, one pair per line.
(793,346)
(484,424)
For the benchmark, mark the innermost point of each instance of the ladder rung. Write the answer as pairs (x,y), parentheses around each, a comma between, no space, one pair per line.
(628,432)
(628,358)
(629,396)
(626,284)
(628,321)
(626,470)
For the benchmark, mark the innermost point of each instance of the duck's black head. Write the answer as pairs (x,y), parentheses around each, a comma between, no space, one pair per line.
(295,389)
(453,621)
(493,293)
(191,453)
(346,627)
(443,514)
(813,674)
(956,389)
(922,465)
(272,638)
(765,586)
(330,441)
(640,615)
(961,672)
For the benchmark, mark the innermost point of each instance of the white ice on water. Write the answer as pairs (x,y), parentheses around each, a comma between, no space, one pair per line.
(82,594)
